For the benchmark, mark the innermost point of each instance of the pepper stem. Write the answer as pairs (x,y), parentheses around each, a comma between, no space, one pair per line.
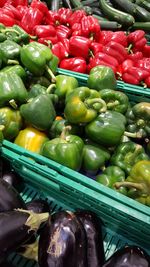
(9,30)
(11,61)
(129,185)
(50,88)
(53,78)
(133,135)
(113,104)
(2,127)
(64,132)
(13,104)
(91,102)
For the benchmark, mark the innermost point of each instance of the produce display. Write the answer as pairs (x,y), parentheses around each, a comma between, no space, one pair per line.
(49,238)
(81,36)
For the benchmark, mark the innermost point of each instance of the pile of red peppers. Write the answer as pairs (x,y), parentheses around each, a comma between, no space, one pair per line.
(78,41)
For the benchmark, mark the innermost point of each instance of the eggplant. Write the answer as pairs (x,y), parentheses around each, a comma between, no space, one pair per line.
(16,227)
(38,206)
(9,197)
(93,228)
(14,179)
(6,264)
(62,242)
(129,256)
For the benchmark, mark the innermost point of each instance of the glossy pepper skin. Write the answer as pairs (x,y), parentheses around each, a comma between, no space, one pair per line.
(11,120)
(66,150)
(35,56)
(12,88)
(138,119)
(94,159)
(64,85)
(127,154)
(116,50)
(137,40)
(90,28)
(110,176)
(17,69)
(83,105)
(32,17)
(79,46)
(39,112)
(115,100)
(101,77)
(138,182)
(107,128)
(9,51)
(31,139)
(135,75)
(77,64)
(131,255)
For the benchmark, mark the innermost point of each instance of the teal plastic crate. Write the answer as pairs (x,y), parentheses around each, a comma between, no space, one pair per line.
(122,215)
(137,92)
(36,186)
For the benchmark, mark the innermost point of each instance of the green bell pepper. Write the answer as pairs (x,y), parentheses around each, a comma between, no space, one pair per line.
(107,129)
(127,154)
(138,182)
(12,89)
(39,112)
(35,57)
(53,63)
(17,69)
(66,150)
(59,124)
(110,176)
(83,105)
(9,52)
(115,100)
(138,119)
(64,85)
(10,122)
(31,80)
(94,159)
(38,89)
(101,77)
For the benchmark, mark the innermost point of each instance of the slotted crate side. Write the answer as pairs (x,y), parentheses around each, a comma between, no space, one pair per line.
(117,211)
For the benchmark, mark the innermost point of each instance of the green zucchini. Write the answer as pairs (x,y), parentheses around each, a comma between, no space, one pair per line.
(76,3)
(116,15)
(87,9)
(145,26)
(101,18)
(144,4)
(88,2)
(125,5)
(67,4)
(142,14)
(109,25)
(55,5)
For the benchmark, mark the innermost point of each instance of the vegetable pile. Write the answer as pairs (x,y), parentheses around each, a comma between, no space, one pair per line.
(81,127)
(80,40)
(64,238)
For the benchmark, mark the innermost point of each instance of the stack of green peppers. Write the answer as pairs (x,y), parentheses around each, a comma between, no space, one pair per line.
(82,128)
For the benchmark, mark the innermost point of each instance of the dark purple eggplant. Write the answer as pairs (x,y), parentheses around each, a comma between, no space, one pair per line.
(16,227)
(9,197)
(129,256)
(62,242)
(13,179)
(93,228)
(38,206)
(6,264)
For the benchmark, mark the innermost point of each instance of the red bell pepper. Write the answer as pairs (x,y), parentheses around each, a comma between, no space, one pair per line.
(76,29)
(105,37)
(129,78)
(107,58)
(135,56)
(136,40)
(64,14)
(31,18)
(99,62)
(77,64)
(137,73)
(95,48)
(6,20)
(76,17)
(90,28)
(143,64)
(128,63)
(51,17)
(14,10)
(7,12)
(39,5)
(79,46)
(42,31)
(119,37)
(22,9)
(62,32)
(116,50)
(65,43)
(48,40)
(146,51)
(18,2)
(60,51)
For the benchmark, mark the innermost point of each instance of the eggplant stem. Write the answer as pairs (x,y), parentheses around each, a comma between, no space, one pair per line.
(31,251)
(129,185)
